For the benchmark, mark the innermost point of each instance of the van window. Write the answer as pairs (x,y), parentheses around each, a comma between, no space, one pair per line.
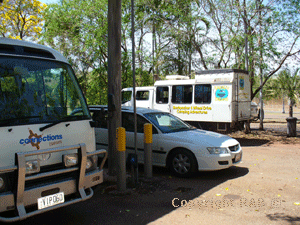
(182,94)
(162,95)
(202,93)
(142,95)
(126,96)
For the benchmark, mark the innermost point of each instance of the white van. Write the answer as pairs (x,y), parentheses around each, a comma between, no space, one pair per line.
(215,100)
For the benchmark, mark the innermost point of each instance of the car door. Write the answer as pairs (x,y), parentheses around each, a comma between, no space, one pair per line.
(128,124)
(101,131)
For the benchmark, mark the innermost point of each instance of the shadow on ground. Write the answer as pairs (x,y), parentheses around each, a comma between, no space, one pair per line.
(248,142)
(145,203)
(283,217)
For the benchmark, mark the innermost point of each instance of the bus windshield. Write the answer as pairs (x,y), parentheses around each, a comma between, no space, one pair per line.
(38,91)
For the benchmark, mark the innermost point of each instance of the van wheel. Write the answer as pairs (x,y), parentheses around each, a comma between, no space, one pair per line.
(182,163)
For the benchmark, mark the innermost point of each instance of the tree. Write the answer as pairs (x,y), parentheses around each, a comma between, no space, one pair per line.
(280,36)
(272,37)
(78,29)
(287,83)
(21,19)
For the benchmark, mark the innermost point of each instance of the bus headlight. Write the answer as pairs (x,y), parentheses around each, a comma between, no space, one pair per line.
(71,160)
(32,166)
(91,162)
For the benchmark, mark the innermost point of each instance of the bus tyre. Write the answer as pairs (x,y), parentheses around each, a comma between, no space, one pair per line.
(182,163)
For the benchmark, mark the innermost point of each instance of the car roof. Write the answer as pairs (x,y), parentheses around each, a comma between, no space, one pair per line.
(139,110)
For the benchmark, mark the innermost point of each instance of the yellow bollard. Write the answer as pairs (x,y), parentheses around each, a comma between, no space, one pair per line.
(148,133)
(121,139)
(121,147)
(148,150)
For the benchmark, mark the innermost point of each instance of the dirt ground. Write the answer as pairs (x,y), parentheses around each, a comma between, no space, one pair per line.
(263,189)
(268,192)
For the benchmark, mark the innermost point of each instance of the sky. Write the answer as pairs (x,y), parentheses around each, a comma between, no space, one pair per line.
(49,1)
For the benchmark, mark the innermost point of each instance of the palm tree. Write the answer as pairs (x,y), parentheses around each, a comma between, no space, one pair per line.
(287,83)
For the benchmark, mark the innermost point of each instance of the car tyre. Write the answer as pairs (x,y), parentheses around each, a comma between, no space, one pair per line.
(182,163)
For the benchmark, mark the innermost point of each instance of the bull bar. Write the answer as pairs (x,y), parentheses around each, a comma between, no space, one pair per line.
(20,197)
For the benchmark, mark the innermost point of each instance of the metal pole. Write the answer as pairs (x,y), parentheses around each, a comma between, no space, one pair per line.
(246,37)
(283,111)
(261,122)
(247,123)
(133,75)
(153,51)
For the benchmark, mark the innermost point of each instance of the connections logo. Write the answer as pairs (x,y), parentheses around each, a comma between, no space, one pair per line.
(35,139)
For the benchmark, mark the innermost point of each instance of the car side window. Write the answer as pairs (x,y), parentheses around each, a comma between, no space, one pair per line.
(100,118)
(128,123)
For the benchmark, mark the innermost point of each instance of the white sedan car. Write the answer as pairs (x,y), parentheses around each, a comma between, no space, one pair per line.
(176,144)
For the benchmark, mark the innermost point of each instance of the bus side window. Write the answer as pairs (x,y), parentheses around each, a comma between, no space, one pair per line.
(182,94)
(203,93)
(162,95)
(142,95)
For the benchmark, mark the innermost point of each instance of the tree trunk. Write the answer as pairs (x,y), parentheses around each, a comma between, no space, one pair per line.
(114,81)
(290,108)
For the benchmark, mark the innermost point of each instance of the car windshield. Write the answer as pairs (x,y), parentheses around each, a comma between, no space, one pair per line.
(167,122)
(38,91)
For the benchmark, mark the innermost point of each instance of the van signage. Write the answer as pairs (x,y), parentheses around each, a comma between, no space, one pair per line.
(222,93)
(34,139)
(192,109)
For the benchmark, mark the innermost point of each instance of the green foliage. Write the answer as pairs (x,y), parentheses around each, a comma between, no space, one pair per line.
(186,35)
(285,84)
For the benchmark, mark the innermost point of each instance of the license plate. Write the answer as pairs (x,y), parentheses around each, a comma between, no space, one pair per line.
(238,157)
(51,200)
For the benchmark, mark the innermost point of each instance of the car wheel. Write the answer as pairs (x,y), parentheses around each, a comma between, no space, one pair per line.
(182,163)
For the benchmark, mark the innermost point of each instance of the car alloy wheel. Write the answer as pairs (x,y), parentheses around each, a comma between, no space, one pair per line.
(183,163)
